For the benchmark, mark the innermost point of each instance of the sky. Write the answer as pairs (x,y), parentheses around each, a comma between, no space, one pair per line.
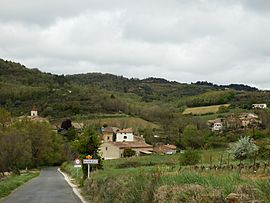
(220,41)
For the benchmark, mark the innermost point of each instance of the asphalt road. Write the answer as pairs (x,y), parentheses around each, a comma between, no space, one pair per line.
(49,187)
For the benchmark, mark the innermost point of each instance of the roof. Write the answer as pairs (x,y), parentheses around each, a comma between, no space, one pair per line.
(133,144)
(34,108)
(145,152)
(163,148)
(127,130)
(108,130)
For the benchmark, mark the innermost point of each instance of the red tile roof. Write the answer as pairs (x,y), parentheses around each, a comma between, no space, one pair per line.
(133,144)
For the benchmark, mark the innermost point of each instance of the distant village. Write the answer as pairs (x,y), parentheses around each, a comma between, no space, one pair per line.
(237,121)
(114,141)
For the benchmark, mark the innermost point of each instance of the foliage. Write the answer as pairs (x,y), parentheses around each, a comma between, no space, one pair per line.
(88,143)
(243,148)
(190,157)
(192,138)
(5,117)
(129,152)
(28,143)
(75,173)
(10,183)
(223,109)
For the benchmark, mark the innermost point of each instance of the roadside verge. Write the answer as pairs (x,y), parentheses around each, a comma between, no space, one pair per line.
(74,187)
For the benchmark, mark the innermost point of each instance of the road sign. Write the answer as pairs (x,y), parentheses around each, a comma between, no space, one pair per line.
(88,157)
(77,165)
(77,162)
(90,161)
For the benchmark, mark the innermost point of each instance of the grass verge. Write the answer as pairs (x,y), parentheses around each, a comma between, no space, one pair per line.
(75,173)
(8,184)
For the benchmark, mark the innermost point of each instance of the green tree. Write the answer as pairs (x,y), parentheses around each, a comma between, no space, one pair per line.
(88,143)
(129,152)
(190,157)
(15,150)
(5,117)
(192,138)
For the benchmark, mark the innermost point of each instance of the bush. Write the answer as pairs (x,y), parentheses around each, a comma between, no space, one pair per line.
(190,157)
(128,153)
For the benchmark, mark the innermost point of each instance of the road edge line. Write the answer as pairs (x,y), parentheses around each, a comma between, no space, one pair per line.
(74,187)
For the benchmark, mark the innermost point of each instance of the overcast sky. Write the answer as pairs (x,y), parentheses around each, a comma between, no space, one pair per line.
(222,41)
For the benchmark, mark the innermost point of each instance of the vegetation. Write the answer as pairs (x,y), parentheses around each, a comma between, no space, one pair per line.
(162,178)
(28,144)
(129,152)
(10,183)
(87,144)
(190,157)
(243,148)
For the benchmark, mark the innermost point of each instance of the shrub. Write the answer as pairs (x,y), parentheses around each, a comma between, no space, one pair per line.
(243,148)
(190,157)
(128,152)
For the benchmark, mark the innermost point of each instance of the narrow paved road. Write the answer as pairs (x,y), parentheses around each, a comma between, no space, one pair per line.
(49,187)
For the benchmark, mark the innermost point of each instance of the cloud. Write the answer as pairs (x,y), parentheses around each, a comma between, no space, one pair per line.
(188,40)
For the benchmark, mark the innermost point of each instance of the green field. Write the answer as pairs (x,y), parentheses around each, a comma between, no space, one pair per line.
(161,178)
(122,122)
(203,109)
(8,184)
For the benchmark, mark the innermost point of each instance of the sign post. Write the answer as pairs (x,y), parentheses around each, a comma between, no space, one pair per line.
(89,161)
(77,165)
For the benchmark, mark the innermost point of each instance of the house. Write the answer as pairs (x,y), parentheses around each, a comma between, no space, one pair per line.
(216,125)
(115,150)
(107,134)
(259,106)
(117,135)
(34,112)
(125,135)
(165,149)
(115,141)
(249,119)
(34,116)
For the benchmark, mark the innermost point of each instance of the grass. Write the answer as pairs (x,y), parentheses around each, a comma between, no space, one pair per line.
(8,184)
(203,109)
(161,178)
(122,122)
(69,168)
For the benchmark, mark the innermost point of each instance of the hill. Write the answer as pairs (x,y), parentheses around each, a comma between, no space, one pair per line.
(83,94)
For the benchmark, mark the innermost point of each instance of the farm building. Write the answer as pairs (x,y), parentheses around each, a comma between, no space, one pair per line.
(115,141)
(115,150)
(259,106)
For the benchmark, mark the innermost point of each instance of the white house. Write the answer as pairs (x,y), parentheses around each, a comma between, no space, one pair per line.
(259,106)
(125,135)
(217,126)
(34,112)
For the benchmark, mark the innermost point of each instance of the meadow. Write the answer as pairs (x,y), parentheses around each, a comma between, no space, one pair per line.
(161,178)
(204,109)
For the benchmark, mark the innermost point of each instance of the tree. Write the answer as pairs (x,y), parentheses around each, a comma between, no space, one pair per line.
(129,152)
(15,150)
(243,148)
(192,138)
(5,117)
(88,143)
(190,157)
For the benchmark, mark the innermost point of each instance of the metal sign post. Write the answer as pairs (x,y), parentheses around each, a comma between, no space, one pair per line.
(89,162)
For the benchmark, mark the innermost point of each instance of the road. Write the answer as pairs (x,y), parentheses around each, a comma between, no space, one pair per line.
(49,187)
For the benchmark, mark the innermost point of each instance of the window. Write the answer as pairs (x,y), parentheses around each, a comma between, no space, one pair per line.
(106,148)
(125,137)
(108,138)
